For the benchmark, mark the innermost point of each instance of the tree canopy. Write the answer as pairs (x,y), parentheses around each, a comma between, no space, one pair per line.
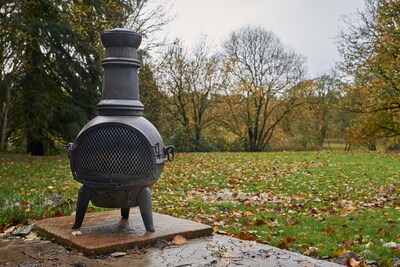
(370,46)
(251,93)
(264,74)
(50,59)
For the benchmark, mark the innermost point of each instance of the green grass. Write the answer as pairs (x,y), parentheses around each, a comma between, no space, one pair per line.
(294,200)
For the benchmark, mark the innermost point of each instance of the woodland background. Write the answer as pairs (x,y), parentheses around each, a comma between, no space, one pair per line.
(249,93)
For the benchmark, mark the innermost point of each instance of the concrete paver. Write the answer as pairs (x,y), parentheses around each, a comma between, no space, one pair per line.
(105,232)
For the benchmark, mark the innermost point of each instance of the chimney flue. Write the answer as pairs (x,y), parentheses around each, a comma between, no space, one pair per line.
(120,94)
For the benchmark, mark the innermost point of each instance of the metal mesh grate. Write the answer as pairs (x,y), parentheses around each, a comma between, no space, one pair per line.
(112,154)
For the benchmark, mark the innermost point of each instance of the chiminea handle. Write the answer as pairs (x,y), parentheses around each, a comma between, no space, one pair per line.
(169,151)
(70,147)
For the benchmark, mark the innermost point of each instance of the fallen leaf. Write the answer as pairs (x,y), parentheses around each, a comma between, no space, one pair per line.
(179,240)
(391,245)
(9,230)
(245,235)
(118,254)
(232,256)
(311,252)
(75,233)
(286,240)
(307,264)
(244,244)
(259,222)
(354,263)
(31,236)
(347,243)
(339,252)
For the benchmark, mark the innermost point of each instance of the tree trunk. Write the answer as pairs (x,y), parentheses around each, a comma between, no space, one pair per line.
(4,117)
(323,128)
(34,145)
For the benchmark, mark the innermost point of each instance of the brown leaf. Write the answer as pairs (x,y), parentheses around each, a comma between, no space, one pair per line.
(347,243)
(9,230)
(289,239)
(245,235)
(354,263)
(311,252)
(282,245)
(258,222)
(179,240)
(286,240)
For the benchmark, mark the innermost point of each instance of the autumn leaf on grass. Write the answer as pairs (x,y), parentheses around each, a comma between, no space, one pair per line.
(339,251)
(245,235)
(286,240)
(347,243)
(179,240)
(355,263)
(258,222)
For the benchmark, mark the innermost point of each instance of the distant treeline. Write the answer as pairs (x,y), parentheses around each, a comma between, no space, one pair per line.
(253,94)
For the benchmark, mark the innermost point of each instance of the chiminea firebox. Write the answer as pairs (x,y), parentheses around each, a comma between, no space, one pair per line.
(119,154)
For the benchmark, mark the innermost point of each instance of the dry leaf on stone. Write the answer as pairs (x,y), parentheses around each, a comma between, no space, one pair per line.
(179,240)
(9,230)
(244,244)
(31,236)
(232,256)
(76,233)
(118,254)
(306,264)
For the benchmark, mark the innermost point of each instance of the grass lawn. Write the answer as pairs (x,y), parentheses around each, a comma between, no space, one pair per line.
(330,201)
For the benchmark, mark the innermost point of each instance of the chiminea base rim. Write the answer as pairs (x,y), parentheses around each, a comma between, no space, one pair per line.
(113,197)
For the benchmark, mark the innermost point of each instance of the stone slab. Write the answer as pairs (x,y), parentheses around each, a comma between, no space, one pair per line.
(105,232)
(215,251)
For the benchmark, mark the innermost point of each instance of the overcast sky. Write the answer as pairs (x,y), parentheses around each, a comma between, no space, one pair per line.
(308,26)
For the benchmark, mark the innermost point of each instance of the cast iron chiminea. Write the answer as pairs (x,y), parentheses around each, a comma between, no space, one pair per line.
(119,154)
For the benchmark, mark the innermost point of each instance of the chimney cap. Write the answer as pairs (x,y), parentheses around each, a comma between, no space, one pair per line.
(121,37)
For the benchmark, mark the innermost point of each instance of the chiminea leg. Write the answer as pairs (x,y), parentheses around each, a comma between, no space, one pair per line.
(125,213)
(81,206)
(144,199)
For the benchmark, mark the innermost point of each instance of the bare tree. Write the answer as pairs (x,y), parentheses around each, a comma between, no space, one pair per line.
(263,75)
(148,17)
